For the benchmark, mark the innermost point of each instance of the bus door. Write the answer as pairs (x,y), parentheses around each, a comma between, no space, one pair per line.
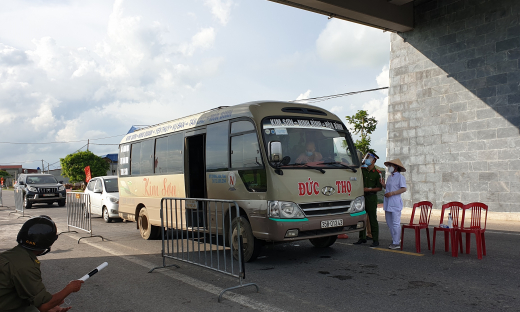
(195,175)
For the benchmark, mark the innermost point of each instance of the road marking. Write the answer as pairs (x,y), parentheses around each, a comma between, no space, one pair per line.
(240,299)
(399,251)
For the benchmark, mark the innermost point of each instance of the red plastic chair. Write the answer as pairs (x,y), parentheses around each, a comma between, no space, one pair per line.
(424,221)
(475,227)
(449,234)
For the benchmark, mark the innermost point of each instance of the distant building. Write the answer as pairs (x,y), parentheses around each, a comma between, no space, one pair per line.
(112,161)
(14,171)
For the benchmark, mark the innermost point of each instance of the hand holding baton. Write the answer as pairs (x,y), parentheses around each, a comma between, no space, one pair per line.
(99,268)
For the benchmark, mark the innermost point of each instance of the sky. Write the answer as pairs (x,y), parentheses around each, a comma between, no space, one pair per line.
(77,70)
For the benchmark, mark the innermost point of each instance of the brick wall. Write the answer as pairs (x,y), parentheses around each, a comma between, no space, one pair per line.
(453,112)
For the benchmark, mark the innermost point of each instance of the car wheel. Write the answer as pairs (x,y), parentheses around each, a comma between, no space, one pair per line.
(26,203)
(323,242)
(251,245)
(146,230)
(61,203)
(106,216)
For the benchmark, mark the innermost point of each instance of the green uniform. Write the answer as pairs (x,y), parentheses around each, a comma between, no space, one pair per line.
(371,179)
(21,286)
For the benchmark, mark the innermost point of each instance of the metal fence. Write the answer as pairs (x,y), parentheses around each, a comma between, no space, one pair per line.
(79,214)
(18,203)
(201,232)
(1,200)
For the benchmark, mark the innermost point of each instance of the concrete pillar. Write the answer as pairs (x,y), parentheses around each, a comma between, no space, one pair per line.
(453,113)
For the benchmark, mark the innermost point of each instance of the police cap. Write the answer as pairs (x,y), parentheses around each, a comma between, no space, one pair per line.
(38,233)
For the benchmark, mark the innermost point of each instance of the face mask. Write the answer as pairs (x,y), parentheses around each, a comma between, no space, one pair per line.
(309,153)
(368,162)
(391,169)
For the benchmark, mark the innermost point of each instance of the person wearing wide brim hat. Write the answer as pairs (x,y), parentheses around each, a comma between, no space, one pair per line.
(394,186)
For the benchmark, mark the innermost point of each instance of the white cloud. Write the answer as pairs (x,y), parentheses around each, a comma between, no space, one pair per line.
(378,109)
(303,96)
(204,39)
(336,109)
(353,45)
(220,9)
(383,79)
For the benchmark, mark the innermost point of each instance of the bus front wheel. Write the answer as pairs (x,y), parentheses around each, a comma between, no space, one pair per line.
(146,230)
(251,245)
(323,242)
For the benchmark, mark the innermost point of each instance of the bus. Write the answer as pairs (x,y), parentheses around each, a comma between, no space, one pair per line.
(292,169)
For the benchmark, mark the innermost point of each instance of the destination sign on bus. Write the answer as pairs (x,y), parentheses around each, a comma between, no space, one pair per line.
(305,123)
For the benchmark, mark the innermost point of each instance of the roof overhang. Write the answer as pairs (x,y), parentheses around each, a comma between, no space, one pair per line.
(393,15)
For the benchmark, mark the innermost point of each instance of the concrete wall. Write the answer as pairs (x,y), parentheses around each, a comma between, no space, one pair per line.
(453,113)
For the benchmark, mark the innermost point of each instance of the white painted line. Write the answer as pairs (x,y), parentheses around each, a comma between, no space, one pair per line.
(240,299)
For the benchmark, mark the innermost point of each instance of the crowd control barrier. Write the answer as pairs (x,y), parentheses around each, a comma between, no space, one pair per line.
(18,203)
(200,232)
(1,200)
(78,214)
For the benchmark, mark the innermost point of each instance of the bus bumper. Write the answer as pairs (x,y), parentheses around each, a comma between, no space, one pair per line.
(279,230)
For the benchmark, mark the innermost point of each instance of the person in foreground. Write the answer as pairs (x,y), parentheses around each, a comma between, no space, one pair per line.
(21,286)
(372,185)
(393,204)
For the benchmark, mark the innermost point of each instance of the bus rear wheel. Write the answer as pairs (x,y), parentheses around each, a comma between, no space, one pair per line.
(146,230)
(323,242)
(251,245)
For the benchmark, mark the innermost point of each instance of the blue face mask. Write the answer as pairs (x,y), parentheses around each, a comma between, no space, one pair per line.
(368,162)
(309,153)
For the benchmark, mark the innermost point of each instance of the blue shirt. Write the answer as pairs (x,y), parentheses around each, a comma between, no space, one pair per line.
(393,183)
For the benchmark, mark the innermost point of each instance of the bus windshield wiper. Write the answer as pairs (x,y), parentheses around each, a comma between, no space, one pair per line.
(307,166)
(339,163)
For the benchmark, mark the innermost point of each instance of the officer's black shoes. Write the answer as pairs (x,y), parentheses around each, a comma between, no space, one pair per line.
(369,238)
(374,244)
(360,241)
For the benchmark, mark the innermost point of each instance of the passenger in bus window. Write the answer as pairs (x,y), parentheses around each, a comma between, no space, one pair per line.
(310,154)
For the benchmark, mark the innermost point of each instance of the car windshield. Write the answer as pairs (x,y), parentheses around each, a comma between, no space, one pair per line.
(311,142)
(111,185)
(41,180)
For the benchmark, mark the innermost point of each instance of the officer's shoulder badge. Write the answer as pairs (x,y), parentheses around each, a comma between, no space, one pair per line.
(37,261)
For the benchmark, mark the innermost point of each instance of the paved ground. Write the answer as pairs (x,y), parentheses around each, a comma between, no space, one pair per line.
(292,277)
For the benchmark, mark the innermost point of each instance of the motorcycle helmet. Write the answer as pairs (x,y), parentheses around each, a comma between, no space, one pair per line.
(38,233)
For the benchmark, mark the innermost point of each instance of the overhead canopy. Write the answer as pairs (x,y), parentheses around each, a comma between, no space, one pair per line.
(393,15)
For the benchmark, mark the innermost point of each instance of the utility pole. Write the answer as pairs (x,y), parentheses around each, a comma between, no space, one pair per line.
(43,167)
(88,142)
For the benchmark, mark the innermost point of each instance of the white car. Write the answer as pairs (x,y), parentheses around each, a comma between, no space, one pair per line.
(104,197)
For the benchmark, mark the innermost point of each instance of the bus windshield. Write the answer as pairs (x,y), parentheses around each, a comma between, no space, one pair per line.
(313,142)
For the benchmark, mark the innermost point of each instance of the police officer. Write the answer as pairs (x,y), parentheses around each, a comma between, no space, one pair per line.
(21,286)
(372,185)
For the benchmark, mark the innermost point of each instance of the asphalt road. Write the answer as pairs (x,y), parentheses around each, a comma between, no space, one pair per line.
(291,277)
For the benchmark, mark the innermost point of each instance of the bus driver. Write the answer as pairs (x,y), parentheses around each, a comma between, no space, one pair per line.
(310,154)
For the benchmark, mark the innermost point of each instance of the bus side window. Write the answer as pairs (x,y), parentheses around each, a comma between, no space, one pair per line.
(168,154)
(135,159)
(245,152)
(147,148)
(217,146)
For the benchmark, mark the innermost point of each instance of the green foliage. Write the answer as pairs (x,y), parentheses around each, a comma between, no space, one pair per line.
(363,125)
(4,174)
(73,166)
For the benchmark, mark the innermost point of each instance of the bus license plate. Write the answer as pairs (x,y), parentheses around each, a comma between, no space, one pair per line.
(331,223)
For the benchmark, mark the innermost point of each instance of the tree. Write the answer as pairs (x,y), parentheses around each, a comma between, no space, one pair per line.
(363,125)
(73,166)
(4,174)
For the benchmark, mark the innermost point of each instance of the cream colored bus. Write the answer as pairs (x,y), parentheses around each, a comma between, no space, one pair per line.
(292,168)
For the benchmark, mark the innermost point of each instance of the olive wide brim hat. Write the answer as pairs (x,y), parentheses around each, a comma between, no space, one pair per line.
(396,162)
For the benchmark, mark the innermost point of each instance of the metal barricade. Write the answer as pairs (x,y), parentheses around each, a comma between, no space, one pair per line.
(18,203)
(200,232)
(79,214)
(1,200)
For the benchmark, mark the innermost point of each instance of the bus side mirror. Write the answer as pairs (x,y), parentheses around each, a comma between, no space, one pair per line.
(275,151)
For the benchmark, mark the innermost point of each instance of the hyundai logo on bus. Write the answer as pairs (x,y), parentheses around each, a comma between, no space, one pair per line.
(328,190)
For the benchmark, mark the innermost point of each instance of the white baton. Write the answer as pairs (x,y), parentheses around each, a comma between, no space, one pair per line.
(99,268)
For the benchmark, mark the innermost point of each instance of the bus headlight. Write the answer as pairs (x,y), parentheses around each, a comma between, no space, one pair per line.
(357,204)
(284,210)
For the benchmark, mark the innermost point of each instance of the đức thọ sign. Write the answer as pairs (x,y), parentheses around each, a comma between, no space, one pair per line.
(87,174)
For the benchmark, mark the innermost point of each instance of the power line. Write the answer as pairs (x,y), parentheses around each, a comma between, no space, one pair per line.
(62,142)
(328,97)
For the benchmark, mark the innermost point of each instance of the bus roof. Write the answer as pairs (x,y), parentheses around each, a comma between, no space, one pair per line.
(217,114)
